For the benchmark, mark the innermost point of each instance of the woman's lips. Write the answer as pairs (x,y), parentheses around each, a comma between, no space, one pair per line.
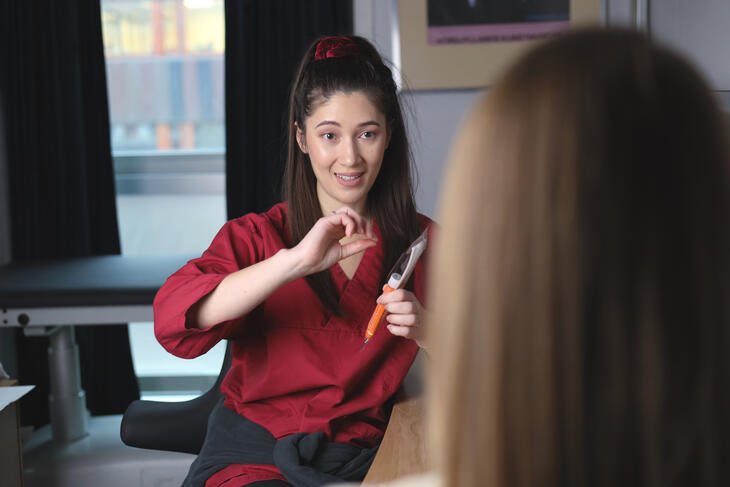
(351,179)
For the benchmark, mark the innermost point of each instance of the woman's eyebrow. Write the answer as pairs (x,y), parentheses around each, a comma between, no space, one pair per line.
(369,122)
(332,122)
(327,122)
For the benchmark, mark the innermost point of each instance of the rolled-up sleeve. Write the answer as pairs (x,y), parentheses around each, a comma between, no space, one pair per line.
(235,246)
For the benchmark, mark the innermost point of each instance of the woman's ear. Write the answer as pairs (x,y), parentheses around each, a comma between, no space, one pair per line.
(301,140)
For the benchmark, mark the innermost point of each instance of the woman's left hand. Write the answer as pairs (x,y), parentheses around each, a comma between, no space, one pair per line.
(405,316)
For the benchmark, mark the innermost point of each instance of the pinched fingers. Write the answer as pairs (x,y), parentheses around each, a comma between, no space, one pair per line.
(350,224)
(353,224)
(360,225)
(356,246)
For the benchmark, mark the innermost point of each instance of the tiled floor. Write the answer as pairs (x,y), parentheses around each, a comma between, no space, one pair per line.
(99,459)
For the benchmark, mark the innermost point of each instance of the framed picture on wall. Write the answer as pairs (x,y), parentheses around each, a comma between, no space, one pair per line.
(450,44)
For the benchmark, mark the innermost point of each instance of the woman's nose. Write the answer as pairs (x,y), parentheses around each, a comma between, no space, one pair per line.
(350,152)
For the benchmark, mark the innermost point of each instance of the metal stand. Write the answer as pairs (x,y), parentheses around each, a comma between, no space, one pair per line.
(67,401)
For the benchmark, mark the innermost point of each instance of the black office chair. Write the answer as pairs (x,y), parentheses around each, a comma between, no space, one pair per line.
(172,426)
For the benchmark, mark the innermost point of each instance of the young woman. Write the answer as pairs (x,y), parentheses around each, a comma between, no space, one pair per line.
(584,335)
(293,289)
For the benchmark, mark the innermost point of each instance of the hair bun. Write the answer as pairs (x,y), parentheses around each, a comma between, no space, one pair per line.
(336,46)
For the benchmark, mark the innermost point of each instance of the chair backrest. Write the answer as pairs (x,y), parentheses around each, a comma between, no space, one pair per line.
(173,426)
(224,370)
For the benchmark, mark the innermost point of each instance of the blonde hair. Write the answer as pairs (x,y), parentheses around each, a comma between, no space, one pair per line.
(579,330)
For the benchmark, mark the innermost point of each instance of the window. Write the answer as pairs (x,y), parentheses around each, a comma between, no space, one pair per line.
(165,83)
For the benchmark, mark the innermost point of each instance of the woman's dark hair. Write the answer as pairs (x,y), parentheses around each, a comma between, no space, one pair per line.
(390,201)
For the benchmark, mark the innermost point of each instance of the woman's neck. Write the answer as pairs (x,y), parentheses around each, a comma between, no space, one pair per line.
(328,209)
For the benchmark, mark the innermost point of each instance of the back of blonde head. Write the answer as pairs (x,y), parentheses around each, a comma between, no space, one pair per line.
(580,330)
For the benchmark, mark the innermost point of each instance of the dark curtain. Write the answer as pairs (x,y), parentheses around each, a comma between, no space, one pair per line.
(265,40)
(62,201)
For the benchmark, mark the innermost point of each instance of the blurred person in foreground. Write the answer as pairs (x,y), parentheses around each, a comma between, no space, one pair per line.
(580,327)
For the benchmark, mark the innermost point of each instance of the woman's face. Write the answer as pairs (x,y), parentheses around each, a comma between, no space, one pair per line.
(345,138)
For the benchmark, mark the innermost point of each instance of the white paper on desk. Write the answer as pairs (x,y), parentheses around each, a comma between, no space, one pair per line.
(12,393)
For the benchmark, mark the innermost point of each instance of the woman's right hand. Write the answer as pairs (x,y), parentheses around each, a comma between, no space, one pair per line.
(243,290)
(321,248)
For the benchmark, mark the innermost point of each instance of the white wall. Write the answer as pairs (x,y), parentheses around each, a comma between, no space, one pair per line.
(433,118)
(699,29)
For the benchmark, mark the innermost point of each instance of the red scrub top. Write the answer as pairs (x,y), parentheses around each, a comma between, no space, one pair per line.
(296,367)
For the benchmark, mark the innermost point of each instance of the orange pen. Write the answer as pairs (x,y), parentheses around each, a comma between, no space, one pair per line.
(376,317)
(397,278)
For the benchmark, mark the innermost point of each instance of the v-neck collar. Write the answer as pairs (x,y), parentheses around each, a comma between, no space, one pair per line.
(366,275)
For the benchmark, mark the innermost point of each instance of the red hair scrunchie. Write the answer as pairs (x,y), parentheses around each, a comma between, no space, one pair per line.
(336,46)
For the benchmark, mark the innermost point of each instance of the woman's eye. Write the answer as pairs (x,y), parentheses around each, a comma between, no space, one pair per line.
(368,135)
(328,136)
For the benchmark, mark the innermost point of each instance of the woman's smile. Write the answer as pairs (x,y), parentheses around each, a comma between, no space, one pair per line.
(349,179)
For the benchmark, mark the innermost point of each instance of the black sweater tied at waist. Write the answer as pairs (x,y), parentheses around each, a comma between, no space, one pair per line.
(305,459)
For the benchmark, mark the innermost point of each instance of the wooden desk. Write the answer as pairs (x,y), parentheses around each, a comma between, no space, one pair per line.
(403,450)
